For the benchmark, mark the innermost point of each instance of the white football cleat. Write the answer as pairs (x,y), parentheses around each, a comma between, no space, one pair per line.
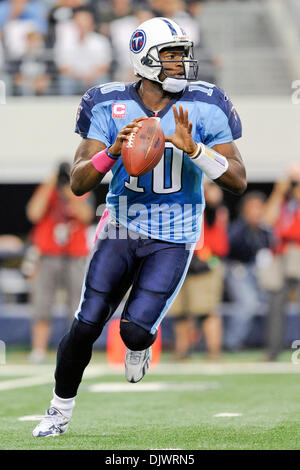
(137,364)
(54,423)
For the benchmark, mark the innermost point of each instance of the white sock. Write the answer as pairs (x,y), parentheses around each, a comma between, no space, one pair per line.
(65,405)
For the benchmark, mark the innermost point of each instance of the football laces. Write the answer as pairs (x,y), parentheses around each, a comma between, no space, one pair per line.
(131,139)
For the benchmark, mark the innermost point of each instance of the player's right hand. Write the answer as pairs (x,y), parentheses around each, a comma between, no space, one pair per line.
(123,134)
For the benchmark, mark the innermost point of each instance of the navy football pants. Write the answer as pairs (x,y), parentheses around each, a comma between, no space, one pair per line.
(155,269)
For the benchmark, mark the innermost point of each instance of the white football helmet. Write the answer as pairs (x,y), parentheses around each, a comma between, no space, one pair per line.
(145,45)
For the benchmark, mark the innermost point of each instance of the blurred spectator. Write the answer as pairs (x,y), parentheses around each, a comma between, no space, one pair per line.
(61,12)
(9,245)
(201,293)
(106,12)
(1,55)
(60,234)
(176,10)
(83,56)
(247,237)
(17,19)
(32,71)
(123,28)
(209,64)
(11,250)
(194,8)
(282,211)
(188,15)
(23,10)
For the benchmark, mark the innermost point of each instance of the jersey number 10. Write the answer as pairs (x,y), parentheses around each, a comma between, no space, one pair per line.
(166,176)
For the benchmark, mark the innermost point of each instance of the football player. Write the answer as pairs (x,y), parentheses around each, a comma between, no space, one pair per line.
(150,252)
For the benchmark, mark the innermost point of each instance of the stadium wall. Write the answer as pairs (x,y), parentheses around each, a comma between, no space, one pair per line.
(36,133)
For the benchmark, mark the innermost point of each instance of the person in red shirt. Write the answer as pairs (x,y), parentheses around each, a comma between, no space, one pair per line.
(60,236)
(202,290)
(282,212)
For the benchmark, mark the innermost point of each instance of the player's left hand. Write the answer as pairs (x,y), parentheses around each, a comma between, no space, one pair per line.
(182,137)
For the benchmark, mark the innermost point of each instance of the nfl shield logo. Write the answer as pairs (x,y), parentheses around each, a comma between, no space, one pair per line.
(119,110)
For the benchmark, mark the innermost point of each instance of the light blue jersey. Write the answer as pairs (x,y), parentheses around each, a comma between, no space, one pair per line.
(168,202)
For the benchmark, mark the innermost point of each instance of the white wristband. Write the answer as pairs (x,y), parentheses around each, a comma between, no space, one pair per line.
(212,163)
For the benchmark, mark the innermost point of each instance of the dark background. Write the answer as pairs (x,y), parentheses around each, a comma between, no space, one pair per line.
(14,198)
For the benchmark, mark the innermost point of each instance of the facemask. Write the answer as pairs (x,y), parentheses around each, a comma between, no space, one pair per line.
(173,85)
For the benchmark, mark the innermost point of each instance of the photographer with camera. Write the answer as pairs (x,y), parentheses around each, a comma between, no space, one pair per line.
(60,236)
(282,277)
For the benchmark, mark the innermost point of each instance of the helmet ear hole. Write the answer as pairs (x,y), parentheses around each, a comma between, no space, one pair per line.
(146,61)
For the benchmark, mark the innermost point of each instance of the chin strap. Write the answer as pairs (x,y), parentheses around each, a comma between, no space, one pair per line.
(173,85)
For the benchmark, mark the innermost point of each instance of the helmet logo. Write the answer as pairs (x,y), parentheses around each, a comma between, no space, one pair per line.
(138,41)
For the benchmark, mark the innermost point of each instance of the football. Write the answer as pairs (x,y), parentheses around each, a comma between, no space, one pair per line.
(143,150)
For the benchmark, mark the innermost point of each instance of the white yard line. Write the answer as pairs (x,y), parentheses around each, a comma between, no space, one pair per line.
(152,387)
(31,418)
(24,369)
(40,379)
(226,368)
(43,374)
(25,382)
(172,368)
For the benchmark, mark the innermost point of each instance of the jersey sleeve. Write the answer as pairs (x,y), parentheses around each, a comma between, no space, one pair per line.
(92,122)
(223,123)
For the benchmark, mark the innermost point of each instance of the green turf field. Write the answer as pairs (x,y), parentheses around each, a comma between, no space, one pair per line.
(174,407)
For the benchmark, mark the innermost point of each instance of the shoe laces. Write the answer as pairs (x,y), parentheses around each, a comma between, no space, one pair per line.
(54,416)
(135,357)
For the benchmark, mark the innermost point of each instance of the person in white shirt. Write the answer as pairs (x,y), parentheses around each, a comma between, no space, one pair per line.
(82,56)
(176,10)
(123,28)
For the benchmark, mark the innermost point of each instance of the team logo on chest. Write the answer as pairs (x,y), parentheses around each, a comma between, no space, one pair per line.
(119,110)
(137,41)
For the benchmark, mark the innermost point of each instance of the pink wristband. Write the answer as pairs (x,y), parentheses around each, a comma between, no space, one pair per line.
(102,162)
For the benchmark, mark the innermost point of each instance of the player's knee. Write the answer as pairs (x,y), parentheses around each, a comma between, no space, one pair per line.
(96,308)
(135,337)
(80,339)
(84,333)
